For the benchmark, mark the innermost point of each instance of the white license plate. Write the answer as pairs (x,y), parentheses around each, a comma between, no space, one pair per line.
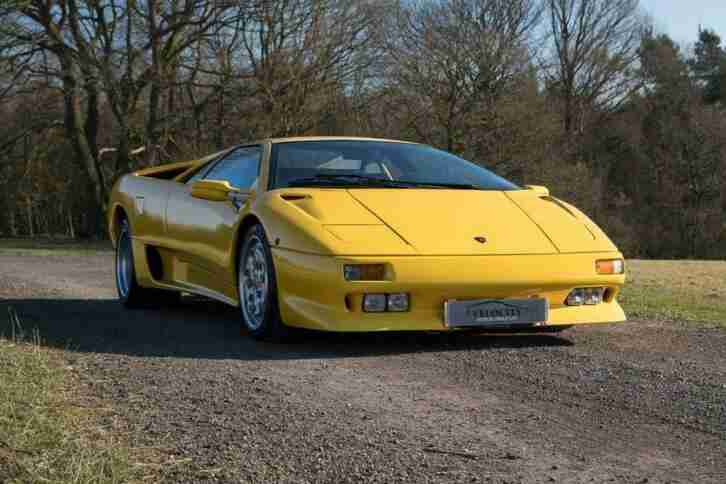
(495,312)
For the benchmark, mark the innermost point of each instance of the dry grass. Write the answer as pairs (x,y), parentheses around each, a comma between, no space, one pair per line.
(47,435)
(52,247)
(693,291)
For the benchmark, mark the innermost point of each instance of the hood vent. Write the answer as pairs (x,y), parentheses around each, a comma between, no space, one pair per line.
(559,204)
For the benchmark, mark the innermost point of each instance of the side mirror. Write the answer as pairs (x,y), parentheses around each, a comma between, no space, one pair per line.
(215,190)
(539,190)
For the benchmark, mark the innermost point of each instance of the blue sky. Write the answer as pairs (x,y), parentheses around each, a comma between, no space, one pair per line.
(680,18)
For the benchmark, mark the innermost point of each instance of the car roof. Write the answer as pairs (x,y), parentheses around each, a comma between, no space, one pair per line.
(331,138)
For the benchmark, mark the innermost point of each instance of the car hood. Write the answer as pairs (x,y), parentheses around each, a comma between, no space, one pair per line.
(476,222)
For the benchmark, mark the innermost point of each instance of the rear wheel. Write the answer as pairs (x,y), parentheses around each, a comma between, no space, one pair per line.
(130,293)
(257,287)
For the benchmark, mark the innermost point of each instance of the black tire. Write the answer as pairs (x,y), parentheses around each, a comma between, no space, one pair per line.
(130,293)
(553,329)
(261,321)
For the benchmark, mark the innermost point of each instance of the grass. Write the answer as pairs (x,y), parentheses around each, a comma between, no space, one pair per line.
(46,435)
(44,247)
(692,291)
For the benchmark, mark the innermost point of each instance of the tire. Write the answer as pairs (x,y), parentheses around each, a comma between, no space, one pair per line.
(130,293)
(554,329)
(257,288)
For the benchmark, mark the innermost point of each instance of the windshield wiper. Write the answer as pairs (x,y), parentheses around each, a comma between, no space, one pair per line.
(460,186)
(332,179)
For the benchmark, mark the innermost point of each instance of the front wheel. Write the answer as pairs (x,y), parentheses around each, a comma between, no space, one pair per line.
(130,293)
(257,286)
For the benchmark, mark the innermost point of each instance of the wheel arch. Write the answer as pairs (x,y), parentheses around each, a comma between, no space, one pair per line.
(275,324)
(247,221)
(118,215)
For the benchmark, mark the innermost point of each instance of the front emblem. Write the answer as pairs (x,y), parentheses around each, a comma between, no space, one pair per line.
(481,240)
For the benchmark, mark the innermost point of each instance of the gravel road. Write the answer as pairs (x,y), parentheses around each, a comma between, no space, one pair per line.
(643,401)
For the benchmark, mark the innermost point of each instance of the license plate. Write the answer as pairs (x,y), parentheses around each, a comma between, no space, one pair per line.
(495,312)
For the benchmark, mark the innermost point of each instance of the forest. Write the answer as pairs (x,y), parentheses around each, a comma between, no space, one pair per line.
(583,96)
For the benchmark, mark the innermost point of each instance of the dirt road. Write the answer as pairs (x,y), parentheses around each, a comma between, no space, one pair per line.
(638,402)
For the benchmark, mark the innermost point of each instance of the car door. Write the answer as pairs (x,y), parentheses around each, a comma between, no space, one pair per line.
(203,230)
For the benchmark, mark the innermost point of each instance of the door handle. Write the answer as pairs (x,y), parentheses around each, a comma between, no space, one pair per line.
(140,205)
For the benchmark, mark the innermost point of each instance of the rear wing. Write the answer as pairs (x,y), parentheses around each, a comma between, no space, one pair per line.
(171,171)
(167,172)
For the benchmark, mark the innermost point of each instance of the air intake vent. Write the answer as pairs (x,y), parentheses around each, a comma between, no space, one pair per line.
(291,197)
(156,266)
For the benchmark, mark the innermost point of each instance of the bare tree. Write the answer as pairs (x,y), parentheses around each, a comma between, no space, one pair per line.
(111,51)
(595,48)
(451,58)
(299,53)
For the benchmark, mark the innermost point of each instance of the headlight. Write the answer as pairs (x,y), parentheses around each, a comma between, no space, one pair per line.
(610,266)
(374,303)
(576,297)
(593,295)
(398,302)
(585,295)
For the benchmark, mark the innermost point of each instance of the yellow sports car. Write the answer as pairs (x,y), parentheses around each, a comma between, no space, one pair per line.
(358,234)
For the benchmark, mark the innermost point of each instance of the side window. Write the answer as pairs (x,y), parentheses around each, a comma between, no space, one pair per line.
(240,168)
(198,174)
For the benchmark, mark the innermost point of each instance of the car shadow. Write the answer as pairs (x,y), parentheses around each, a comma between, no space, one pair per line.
(198,328)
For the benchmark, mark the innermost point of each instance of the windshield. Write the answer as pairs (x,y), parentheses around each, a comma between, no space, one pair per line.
(376,164)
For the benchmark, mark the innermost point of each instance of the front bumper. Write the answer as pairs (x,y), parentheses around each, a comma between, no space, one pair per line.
(314,294)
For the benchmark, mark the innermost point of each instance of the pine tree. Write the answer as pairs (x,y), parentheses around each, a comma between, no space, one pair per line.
(709,66)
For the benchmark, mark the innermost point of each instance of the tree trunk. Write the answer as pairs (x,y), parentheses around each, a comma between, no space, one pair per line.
(123,161)
(71,229)
(76,131)
(29,214)
(152,134)
(92,118)
(12,222)
(219,136)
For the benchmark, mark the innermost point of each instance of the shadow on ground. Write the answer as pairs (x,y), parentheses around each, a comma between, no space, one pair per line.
(206,329)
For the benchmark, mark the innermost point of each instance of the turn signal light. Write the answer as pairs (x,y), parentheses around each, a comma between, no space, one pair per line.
(610,266)
(364,272)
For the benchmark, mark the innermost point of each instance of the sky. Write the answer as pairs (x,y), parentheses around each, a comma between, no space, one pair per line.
(680,18)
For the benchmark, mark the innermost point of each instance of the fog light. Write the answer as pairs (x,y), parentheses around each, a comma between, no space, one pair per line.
(364,272)
(576,298)
(374,303)
(593,295)
(610,266)
(398,302)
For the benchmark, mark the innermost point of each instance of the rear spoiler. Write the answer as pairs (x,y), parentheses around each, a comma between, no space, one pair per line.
(167,172)
(171,171)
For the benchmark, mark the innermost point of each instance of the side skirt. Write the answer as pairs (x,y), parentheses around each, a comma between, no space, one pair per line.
(199,291)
